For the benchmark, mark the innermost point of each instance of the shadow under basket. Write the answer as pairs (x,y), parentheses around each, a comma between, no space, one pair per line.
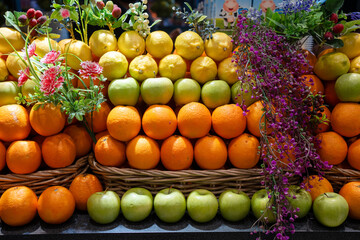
(40,180)
(338,177)
(216,181)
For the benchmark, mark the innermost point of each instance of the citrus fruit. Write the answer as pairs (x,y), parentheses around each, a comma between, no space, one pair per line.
(82,187)
(58,151)
(227,71)
(314,83)
(228,121)
(157,90)
(123,123)
(114,65)
(14,37)
(15,64)
(317,185)
(75,52)
(159,44)
(63,42)
(219,46)
(102,41)
(324,126)
(189,45)
(323,52)
(347,87)
(177,153)
(186,90)
(28,88)
(97,119)
(4,73)
(23,157)
(331,66)
(2,156)
(131,44)
(18,206)
(242,93)
(311,59)
(173,67)
(355,65)
(81,138)
(98,136)
(210,152)
(253,118)
(159,122)
(109,151)
(330,93)
(351,45)
(354,155)
(8,92)
(243,151)
(194,120)
(333,148)
(124,92)
(215,93)
(45,45)
(345,119)
(45,114)
(143,152)
(56,205)
(203,69)
(143,67)
(351,192)
(14,123)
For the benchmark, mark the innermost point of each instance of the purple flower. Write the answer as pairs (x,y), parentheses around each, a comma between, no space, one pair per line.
(354,15)
(254,14)
(295,6)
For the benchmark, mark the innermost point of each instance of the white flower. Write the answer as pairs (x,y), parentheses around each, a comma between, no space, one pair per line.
(138,27)
(146,22)
(148,30)
(133,10)
(146,15)
(140,20)
(144,34)
(144,1)
(131,5)
(136,18)
(136,5)
(144,7)
(141,32)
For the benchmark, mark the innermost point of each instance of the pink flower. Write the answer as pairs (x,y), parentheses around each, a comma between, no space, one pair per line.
(51,57)
(24,76)
(90,69)
(51,80)
(65,13)
(31,51)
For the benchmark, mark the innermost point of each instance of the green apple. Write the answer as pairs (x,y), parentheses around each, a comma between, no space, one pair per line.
(301,199)
(242,92)
(202,205)
(8,91)
(330,209)
(347,87)
(170,205)
(136,204)
(186,90)
(234,205)
(104,207)
(157,90)
(259,206)
(215,93)
(124,91)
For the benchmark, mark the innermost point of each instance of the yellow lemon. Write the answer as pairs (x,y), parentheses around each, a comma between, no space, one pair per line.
(3,70)
(131,44)
(143,67)
(14,63)
(355,65)
(173,67)
(219,46)
(331,66)
(102,41)
(63,42)
(114,65)
(227,71)
(351,45)
(43,46)
(203,69)
(189,45)
(14,37)
(77,51)
(159,44)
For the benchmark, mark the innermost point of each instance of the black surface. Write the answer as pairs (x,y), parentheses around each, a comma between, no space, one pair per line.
(80,226)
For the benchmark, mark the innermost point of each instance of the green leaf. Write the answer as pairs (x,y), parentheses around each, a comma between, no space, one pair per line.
(202,18)
(188,5)
(333,6)
(154,23)
(74,15)
(11,20)
(269,13)
(335,43)
(56,15)
(56,6)
(350,29)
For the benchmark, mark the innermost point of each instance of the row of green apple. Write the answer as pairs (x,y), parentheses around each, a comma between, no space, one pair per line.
(170,205)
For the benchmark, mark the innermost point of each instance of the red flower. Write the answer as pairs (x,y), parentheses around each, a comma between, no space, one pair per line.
(90,69)
(65,13)
(51,80)
(31,51)
(328,36)
(24,76)
(334,18)
(338,28)
(51,57)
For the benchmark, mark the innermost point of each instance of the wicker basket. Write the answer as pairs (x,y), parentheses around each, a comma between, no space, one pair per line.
(340,176)
(122,179)
(40,180)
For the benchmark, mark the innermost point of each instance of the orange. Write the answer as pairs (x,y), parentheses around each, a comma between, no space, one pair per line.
(323,52)
(23,157)
(228,121)
(194,120)
(354,155)
(2,156)
(243,151)
(333,147)
(159,121)
(314,83)
(124,123)
(56,205)
(283,153)
(81,137)
(345,119)
(14,123)
(317,186)
(143,152)
(98,118)
(47,120)
(330,94)
(99,135)
(177,153)
(109,151)
(59,150)
(310,57)
(82,187)
(253,117)
(324,126)
(18,206)
(351,192)
(210,152)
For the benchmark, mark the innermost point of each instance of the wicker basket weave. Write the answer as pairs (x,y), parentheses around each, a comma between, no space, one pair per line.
(40,180)
(122,179)
(340,176)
